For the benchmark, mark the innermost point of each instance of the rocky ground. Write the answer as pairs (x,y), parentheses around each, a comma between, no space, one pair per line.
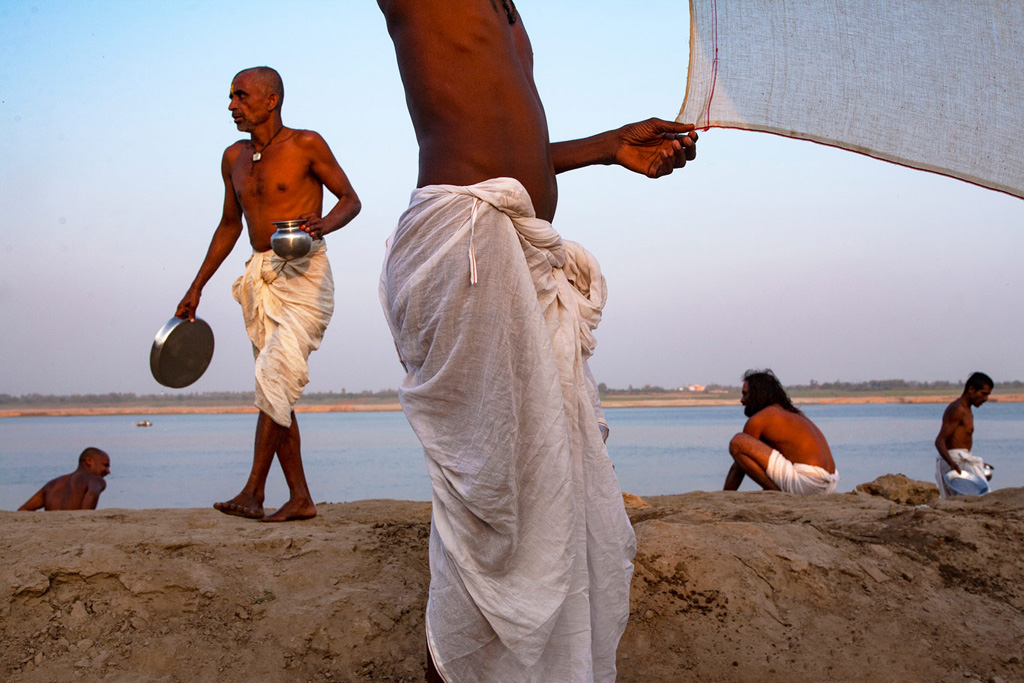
(886,585)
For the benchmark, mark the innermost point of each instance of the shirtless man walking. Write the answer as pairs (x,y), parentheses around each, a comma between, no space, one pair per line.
(78,490)
(278,174)
(956,436)
(493,316)
(779,447)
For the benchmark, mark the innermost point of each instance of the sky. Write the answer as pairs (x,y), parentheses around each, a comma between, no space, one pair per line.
(764,252)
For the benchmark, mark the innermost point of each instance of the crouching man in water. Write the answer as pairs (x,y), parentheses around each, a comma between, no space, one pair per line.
(780,448)
(78,490)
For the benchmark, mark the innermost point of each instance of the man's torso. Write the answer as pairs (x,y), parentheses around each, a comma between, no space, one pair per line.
(278,187)
(963,418)
(468,76)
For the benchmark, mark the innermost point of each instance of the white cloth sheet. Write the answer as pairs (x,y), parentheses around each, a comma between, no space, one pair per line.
(965,459)
(937,86)
(799,478)
(530,546)
(287,306)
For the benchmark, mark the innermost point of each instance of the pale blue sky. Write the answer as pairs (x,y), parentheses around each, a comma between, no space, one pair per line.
(764,252)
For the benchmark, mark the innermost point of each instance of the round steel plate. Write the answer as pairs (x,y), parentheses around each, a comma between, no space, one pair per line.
(966,483)
(181,352)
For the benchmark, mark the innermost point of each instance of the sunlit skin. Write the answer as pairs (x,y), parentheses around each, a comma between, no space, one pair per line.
(286,183)
(957,429)
(468,77)
(469,85)
(78,490)
(775,428)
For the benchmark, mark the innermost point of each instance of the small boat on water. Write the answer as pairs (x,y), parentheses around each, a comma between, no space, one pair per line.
(143,423)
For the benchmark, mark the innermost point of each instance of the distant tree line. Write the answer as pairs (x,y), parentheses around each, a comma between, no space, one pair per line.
(874,386)
(234,398)
(213,398)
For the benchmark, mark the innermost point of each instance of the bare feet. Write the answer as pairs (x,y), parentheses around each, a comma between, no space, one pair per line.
(292,510)
(241,506)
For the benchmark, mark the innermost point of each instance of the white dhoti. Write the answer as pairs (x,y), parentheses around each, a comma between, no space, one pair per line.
(530,546)
(800,478)
(967,462)
(286,306)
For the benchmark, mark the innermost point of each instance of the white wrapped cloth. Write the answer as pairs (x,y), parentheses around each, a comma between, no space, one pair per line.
(530,546)
(800,478)
(286,306)
(892,79)
(967,461)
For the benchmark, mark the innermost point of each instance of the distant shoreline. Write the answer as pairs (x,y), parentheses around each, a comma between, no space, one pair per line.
(354,407)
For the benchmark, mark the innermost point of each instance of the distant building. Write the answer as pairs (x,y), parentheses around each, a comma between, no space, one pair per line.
(694,388)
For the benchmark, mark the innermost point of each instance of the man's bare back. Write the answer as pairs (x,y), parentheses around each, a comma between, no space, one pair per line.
(78,490)
(793,435)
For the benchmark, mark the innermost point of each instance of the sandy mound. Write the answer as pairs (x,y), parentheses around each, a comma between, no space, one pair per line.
(728,587)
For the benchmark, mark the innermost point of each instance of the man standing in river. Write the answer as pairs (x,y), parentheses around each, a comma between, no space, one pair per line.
(278,174)
(493,315)
(956,436)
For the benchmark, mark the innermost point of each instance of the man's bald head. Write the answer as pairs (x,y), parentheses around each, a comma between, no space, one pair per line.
(266,79)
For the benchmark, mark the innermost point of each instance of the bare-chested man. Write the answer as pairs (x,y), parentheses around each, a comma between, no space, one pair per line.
(956,436)
(278,174)
(493,314)
(78,490)
(779,447)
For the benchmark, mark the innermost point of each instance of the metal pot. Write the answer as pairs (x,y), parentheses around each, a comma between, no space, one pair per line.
(290,241)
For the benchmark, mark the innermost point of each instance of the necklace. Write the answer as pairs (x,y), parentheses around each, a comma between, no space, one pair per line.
(256,156)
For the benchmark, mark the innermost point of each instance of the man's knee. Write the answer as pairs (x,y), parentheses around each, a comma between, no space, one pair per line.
(737,445)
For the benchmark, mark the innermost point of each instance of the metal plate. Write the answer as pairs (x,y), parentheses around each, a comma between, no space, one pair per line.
(966,483)
(181,352)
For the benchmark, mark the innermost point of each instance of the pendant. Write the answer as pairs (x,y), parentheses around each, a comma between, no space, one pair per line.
(256,156)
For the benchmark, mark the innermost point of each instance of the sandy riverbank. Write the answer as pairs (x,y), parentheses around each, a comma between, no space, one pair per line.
(613,402)
(748,586)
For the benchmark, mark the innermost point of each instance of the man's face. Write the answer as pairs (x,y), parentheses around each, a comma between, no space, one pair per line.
(248,103)
(98,464)
(743,399)
(979,396)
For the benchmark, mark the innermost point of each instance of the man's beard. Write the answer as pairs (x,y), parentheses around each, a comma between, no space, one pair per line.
(749,411)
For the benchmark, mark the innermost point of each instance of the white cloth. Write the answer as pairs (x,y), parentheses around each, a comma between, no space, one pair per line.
(886,78)
(286,306)
(530,546)
(800,478)
(965,459)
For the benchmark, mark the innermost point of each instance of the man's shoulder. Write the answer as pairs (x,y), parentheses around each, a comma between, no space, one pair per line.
(235,148)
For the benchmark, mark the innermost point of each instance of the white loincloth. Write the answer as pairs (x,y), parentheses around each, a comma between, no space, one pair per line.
(965,459)
(530,546)
(800,478)
(286,306)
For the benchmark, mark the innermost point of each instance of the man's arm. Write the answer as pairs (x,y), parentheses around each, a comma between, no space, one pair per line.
(653,148)
(328,171)
(92,493)
(224,239)
(951,419)
(35,502)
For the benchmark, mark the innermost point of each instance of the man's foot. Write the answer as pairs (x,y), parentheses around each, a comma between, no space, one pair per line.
(292,511)
(241,506)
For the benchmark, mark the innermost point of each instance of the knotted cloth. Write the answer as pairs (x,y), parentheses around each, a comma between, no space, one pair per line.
(937,86)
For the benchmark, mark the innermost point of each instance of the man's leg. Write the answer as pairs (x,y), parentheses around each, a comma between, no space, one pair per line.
(249,503)
(751,457)
(289,453)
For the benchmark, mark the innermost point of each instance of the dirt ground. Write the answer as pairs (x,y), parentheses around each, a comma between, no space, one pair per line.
(750,586)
